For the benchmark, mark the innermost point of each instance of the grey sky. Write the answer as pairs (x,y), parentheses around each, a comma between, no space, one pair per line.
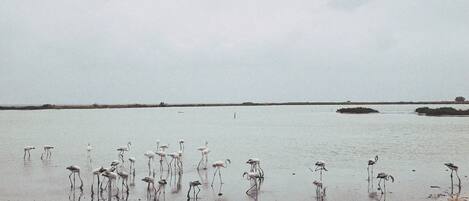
(147,51)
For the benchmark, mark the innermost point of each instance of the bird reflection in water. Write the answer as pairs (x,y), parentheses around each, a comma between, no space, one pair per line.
(72,195)
(320,191)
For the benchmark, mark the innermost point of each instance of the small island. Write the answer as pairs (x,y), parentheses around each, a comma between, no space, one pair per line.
(442,111)
(357,110)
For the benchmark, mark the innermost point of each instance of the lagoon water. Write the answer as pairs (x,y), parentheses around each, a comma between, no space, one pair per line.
(288,140)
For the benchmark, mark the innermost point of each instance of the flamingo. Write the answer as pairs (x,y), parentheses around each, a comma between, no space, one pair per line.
(150,155)
(204,151)
(252,176)
(110,175)
(132,166)
(125,180)
(385,177)
(453,168)
(320,166)
(122,150)
(28,150)
(162,156)
(161,185)
(149,181)
(164,147)
(218,165)
(193,185)
(74,169)
(89,148)
(371,163)
(96,172)
(47,151)
(176,158)
(181,146)
(256,166)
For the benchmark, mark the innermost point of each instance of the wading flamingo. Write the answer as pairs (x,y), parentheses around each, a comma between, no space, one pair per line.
(254,178)
(385,177)
(204,151)
(371,163)
(47,152)
(193,185)
(320,166)
(27,149)
(150,155)
(124,176)
(218,165)
(74,169)
(454,168)
(96,172)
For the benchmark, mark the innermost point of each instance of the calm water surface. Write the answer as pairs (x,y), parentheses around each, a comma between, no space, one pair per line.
(288,140)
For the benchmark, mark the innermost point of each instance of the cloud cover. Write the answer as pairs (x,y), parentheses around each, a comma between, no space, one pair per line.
(147,51)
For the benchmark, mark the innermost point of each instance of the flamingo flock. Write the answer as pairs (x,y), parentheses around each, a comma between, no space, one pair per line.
(117,174)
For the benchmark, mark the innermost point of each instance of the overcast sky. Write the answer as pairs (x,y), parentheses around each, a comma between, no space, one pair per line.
(147,51)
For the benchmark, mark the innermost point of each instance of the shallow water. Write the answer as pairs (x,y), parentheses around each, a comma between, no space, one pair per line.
(288,140)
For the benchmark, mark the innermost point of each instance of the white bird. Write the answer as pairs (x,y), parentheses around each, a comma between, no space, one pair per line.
(218,165)
(193,184)
(111,176)
(96,172)
(162,156)
(385,177)
(47,151)
(89,147)
(132,166)
(149,181)
(125,180)
(181,146)
(122,151)
(150,155)
(254,178)
(320,166)
(204,151)
(28,150)
(453,168)
(161,188)
(256,166)
(176,161)
(74,169)
(371,162)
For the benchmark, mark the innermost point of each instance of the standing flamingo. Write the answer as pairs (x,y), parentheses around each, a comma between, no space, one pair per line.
(204,151)
(218,165)
(27,149)
(385,177)
(149,181)
(161,188)
(453,168)
(150,155)
(74,169)
(47,151)
(111,176)
(162,156)
(96,172)
(256,166)
(176,162)
(181,146)
(193,185)
(124,176)
(371,163)
(320,166)
(253,177)
(132,166)
(122,151)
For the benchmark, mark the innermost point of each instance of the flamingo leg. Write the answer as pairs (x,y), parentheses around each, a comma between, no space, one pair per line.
(70,178)
(214,174)
(81,181)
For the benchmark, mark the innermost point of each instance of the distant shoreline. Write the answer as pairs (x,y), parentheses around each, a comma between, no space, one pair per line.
(122,106)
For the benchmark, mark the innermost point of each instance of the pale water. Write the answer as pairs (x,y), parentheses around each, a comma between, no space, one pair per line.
(288,140)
